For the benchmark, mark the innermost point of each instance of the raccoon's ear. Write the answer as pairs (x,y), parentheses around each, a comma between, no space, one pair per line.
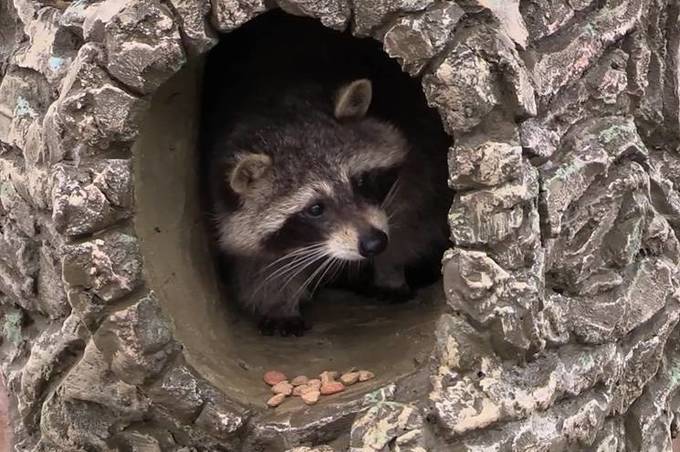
(352,100)
(249,170)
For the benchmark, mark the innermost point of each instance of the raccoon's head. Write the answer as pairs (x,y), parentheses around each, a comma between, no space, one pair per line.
(318,181)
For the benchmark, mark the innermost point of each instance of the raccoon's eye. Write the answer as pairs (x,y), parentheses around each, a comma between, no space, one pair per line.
(315,210)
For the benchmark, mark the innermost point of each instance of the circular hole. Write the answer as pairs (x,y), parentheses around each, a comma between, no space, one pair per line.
(222,343)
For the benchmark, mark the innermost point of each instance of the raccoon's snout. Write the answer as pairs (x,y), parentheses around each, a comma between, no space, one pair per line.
(372,242)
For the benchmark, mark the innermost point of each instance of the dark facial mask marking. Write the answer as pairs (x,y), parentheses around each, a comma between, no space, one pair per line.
(374,185)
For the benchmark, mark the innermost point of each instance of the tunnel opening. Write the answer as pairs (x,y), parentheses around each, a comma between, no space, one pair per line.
(178,242)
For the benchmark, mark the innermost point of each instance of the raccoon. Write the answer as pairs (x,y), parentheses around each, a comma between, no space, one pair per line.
(305,185)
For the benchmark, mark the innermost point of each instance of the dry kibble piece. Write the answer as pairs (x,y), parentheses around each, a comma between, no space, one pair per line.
(299,390)
(314,383)
(299,380)
(328,376)
(311,397)
(365,375)
(276,400)
(349,378)
(273,377)
(332,387)
(282,387)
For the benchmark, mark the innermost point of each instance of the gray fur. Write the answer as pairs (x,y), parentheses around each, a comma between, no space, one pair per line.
(315,148)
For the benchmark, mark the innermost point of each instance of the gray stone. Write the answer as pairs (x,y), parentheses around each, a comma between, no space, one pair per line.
(371,14)
(649,417)
(611,436)
(50,49)
(643,352)
(414,39)
(228,15)
(220,420)
(179,392)
(490,215)
(387,422)
(23,97)
(591,148)
(197,34)
(507,13)
(50,287)
(52,353)
(137,340)
(92,110)
(101,270)
(18,265)
(556,63)
(332,13)
(466,85)
(87,199)
(486,159)
(89,405)
(544,18)
(312,449)
(571,425)
(495,392)
(143,45)
(601,91)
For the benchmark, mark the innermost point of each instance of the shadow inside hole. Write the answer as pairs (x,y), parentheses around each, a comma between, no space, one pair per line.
(220,342)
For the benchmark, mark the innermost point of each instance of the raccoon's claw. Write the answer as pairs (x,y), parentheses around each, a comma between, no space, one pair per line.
(285,326)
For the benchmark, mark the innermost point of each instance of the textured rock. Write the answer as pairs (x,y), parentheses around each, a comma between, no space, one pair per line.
(92,110)
(578,46)
(89,405)
(416,38)
(506,12)
(138,340)
(545,18)
(466,85)
(143,45)
(178,391)
(230,14)
(332,13)
(24,95)
(490,215)
(579,421)
(220,419)
(195,29)
(387,422)
(88,199)
(502,393)
(591,149)
(370,14)
(312,449)
(50,49)
(52,353)
(101,270)
(52,299)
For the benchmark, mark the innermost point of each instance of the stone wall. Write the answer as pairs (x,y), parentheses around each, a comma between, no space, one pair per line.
(562,285)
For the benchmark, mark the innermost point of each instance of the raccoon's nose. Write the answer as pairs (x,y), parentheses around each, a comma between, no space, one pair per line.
(372,242)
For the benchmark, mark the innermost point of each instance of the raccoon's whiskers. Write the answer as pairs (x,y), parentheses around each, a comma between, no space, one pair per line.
(301,258)
(391,195)
(325,264)
(302,268)
(299,263)
(297,252)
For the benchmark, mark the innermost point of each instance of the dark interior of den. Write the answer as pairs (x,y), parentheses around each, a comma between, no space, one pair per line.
(324,173)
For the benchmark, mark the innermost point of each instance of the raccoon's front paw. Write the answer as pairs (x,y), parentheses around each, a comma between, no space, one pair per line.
(285,326)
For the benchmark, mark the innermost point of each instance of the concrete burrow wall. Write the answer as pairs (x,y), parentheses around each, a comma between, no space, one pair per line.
(562,286)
